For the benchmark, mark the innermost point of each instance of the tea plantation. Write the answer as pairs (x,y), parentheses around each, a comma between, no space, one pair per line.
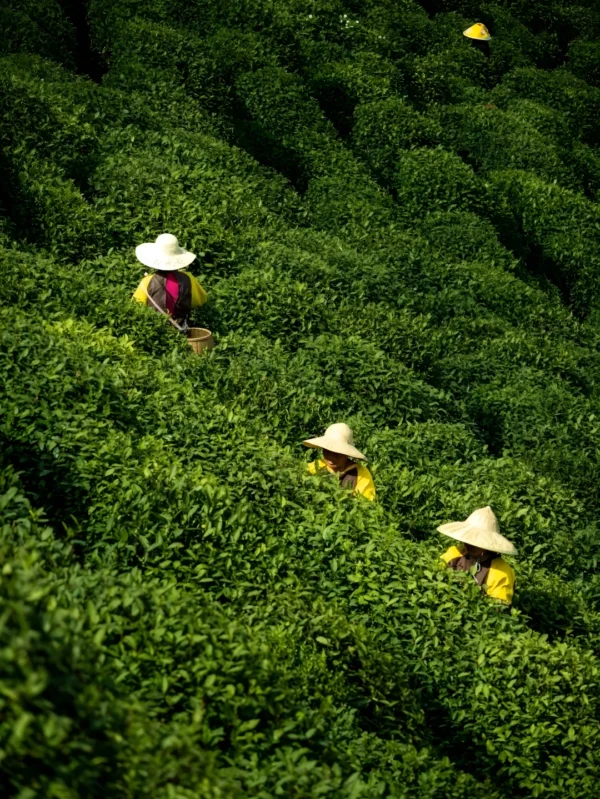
(395,230)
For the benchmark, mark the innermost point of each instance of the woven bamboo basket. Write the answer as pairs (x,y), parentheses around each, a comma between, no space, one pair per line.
(200,339)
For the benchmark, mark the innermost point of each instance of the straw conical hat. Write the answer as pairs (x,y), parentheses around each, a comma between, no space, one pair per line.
(164,254)
(338,438)
(478,31)
(481,529)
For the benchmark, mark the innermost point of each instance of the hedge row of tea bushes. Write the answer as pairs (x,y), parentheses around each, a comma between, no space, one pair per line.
(394,231)
(287,564)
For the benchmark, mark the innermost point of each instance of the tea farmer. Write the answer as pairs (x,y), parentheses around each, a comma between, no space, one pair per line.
(480,552)
(339,456)
(479,36)
(170,290)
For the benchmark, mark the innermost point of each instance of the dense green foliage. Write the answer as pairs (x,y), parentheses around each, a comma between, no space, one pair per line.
(394,231)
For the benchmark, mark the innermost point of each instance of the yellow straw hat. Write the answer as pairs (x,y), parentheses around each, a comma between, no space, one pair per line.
(481,529)
(338,438)
(478,31)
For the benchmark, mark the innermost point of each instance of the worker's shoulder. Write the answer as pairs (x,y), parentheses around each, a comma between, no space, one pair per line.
(141,293)
(504,568)
(365,485)
(189,274)
(451,553)
(364,475)
(363,471)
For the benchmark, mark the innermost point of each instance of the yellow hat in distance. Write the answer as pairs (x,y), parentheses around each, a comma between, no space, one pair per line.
(478,31)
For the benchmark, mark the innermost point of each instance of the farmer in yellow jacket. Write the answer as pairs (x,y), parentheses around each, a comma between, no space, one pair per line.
(339,456)
(480,552)
(170,290)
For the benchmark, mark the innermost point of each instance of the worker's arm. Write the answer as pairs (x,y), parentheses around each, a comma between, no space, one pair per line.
(450,554)
(199,296)
(500,583)
(140,294)
(315,466)
(365,485)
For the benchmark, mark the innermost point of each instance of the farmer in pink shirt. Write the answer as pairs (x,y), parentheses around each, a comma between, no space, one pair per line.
(170,290)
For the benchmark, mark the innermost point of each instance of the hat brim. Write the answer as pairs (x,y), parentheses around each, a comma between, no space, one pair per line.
(486,539)
(477,38)
(148,255)
(322,442)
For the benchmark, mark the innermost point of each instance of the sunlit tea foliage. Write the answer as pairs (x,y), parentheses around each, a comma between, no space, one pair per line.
(395,230)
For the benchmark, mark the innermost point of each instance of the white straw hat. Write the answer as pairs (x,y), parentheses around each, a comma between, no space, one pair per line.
(338,438)
(481,529)
(164,253)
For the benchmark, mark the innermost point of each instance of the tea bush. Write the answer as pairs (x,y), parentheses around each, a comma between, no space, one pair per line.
(429,180)
(37,26)
(395,231)
(563,92)
(562,233)
(341,86)
(583,61)
(383,129)
(493,139)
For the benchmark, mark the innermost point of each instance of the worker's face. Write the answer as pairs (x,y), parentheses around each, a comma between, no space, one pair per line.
(335,462)
(475,553)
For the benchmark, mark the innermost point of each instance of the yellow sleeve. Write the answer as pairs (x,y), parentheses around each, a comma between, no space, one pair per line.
(365,485)
(315,466)
(199,296)
(500,583)
(450,554)
(139,295)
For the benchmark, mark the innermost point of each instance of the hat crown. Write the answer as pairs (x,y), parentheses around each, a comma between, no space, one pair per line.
(484,519)
(338,438)
(164,253)
(341,432)
(481,529)
(167,243)
(477,31)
